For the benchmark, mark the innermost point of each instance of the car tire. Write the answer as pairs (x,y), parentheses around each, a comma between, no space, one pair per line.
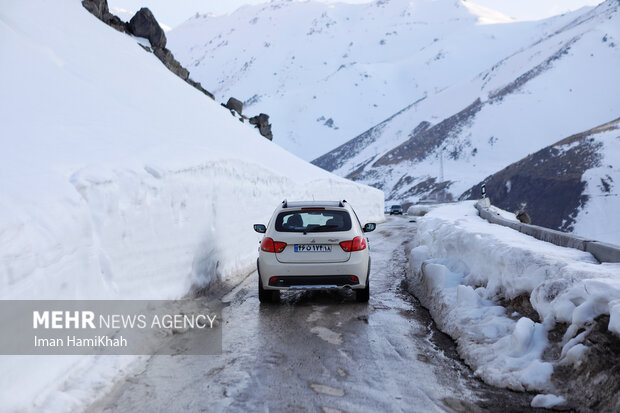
(362,296)
(264,296)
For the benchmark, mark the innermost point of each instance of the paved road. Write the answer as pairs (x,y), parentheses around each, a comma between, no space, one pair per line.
(320,351)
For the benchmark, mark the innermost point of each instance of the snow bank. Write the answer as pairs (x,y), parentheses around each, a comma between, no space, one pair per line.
(464,268)
(118,180)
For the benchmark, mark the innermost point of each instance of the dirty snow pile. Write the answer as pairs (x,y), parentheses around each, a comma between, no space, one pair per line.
(120,181)
(464,268)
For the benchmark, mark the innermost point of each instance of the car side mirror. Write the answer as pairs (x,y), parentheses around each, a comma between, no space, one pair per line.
(370,227)
(260,228)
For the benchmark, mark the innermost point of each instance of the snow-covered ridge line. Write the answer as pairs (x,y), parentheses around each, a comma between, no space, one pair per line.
(602,251)
(335,70)
(499,293)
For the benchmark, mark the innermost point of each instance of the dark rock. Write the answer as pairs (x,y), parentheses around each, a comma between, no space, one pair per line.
(98,8)
(236,105)
(143,24)
(115,22)
(524,217)
(198,86)
(262,123)
(171,63)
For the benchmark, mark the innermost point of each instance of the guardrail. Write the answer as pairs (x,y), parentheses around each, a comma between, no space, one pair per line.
(602,251)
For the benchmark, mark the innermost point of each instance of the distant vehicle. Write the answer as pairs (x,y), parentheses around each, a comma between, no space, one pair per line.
(313,245)
(396,210)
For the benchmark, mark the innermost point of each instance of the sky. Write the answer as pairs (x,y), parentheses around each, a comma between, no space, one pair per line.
(174,12)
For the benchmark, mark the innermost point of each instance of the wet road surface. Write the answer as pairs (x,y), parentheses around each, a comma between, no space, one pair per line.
(320,351)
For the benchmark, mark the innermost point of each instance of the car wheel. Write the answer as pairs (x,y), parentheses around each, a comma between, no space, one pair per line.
(362,296)
(264,296)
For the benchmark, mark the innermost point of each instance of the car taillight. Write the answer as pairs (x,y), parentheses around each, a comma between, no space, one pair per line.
(356,244)
(269,245)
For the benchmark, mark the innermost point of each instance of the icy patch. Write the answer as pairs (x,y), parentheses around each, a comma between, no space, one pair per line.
(315,315)
(327,335)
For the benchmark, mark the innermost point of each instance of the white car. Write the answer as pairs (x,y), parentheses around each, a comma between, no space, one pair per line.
(313,245)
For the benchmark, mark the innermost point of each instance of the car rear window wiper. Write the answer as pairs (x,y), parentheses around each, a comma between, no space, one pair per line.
(320,228)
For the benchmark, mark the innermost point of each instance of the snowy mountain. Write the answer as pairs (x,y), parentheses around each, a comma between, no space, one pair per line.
(118,180)
(560,85)
(569,185)
(327,72)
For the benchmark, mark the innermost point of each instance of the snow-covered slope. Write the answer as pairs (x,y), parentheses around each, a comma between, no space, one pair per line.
(119,180)
(571,185)
(327,72)
(563,84)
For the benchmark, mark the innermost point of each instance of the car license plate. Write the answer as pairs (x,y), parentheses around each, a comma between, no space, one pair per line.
(312,248)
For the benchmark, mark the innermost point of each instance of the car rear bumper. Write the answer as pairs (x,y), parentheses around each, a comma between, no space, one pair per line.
(301,281)
(313,275)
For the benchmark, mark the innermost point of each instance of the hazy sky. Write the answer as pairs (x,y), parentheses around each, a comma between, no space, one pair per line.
(174,12)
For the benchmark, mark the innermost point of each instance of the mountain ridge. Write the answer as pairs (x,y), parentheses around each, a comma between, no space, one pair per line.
(332,71)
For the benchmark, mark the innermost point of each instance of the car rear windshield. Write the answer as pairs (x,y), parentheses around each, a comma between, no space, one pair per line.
(313,221)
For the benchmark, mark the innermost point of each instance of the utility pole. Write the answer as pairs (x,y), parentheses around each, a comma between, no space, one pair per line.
(441,165)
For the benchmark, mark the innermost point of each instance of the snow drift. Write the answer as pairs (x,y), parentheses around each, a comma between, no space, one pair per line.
(118,180)
(469,272)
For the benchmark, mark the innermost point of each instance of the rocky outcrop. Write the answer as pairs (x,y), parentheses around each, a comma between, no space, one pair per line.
(167,58)
(144,24)
(236,105)
(198,86)
(99,8)
(262,123)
